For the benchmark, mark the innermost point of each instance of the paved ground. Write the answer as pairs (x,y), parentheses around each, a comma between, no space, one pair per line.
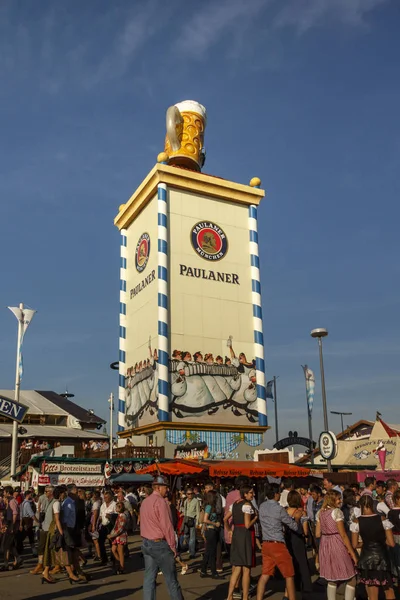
(104,585)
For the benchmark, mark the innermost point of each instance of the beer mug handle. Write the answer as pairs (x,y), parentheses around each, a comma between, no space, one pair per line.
(174,119)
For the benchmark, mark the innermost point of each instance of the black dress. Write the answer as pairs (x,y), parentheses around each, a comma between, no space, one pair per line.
(394,553)
(374,563)
(243,539)
(296,544)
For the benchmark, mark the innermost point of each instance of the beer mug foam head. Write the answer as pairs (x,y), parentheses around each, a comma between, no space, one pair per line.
(186,122)
(194,107)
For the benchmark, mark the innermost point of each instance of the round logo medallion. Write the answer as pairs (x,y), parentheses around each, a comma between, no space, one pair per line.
(142,252)
(209,240)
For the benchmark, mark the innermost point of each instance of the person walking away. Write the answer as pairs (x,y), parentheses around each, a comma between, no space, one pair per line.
(273,517)
(374,562)
(191,519)
(107,520)
(296,543)
(94,524)
(211,534)
(28,518)
(119,537)
(241,528)
(336,554)
(159,545)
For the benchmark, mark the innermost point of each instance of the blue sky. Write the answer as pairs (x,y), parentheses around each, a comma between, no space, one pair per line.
(302,93)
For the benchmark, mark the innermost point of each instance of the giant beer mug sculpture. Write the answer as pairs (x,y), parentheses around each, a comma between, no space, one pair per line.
(186,122)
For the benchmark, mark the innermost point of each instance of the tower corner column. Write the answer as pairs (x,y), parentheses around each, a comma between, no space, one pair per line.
(257,317)
(122,331)
(163,304)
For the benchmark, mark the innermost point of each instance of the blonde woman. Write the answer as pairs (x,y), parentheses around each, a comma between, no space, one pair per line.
(337,558)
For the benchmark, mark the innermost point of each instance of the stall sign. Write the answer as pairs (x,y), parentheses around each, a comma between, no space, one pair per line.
(72,468)
(78,480)
(192,451)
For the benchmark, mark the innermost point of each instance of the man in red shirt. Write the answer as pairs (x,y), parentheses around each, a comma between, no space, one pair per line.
(159,545)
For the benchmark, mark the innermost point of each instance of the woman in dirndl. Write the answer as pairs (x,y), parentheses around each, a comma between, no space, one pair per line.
(243,553)
(337,558)
(119,537)
(373,567)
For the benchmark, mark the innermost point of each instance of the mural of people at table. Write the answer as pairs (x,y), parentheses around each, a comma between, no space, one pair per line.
(201,384)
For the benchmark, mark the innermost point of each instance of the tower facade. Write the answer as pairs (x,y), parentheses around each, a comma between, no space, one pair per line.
(191,331)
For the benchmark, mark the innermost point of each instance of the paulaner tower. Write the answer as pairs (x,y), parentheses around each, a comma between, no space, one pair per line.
(191,353)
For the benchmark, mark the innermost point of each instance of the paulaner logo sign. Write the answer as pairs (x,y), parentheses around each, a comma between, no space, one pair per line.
(142,252)
(13,410)
(209,240)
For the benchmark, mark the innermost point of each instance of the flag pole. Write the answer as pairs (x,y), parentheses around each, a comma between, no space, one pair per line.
(14,438)
(310,434)
(276,411)
(111,401)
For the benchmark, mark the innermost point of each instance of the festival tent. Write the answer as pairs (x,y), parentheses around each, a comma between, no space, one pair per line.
(250,468)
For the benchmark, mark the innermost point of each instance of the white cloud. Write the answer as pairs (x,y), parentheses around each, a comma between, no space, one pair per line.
(306,14)
(213,21)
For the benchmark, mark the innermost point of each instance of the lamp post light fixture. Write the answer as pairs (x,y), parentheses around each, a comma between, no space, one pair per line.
(319,334)
(338,412)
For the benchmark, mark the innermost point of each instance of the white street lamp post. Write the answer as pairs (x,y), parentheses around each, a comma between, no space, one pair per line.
(319,334)
(24,317)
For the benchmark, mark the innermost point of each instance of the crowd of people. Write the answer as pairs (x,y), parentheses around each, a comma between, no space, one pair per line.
(353,534)
(60,523)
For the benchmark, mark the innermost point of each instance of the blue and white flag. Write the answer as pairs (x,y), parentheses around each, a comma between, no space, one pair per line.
(269,389)
(310,387)
(24,317)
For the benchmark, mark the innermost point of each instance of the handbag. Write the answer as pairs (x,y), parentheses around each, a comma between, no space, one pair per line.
(189,522)
(55,541)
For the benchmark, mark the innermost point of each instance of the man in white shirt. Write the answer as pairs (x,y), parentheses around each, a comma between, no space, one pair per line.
(107,509)
(287,487)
